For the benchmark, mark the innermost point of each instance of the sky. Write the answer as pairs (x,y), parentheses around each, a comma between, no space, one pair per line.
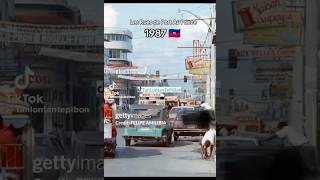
(159,54)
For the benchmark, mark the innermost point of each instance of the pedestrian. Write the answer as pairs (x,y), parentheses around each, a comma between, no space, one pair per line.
(10,152)
(289,135)
(208,141)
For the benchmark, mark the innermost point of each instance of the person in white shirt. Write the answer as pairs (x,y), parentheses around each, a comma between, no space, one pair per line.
(288,133)
(207,141)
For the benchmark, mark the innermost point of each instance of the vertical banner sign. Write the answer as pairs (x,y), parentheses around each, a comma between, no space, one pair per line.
(196,48)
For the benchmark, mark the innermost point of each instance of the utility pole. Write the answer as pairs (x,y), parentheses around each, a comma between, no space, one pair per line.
(311,72)
(210,97)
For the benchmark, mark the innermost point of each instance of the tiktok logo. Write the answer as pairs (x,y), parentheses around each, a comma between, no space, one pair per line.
(22,81)
(113,86)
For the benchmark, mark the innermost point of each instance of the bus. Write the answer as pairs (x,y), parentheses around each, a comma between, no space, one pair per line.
(152,98)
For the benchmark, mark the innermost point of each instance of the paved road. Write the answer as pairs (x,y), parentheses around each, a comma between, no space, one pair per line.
(182,158)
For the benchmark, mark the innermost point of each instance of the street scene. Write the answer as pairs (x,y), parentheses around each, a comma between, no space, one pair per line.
(159,85)
(265,98)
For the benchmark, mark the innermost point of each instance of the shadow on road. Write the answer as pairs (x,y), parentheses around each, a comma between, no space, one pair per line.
(196,150)
(134,153)
(181,143)
(159,144)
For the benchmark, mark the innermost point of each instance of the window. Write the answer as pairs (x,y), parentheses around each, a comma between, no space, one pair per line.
(114,53)
(117,37)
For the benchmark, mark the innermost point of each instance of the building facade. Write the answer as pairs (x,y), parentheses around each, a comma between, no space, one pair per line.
(118,43)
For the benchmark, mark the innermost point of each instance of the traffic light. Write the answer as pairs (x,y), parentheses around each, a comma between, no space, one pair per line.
(231,93)
(233,59)
(185,79)
(271,86)
(157,74)
(263,95)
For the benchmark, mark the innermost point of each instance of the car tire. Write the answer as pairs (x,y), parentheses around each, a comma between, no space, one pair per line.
(165,142)
(128,141)
(169,139)
(175,138)
(113,155)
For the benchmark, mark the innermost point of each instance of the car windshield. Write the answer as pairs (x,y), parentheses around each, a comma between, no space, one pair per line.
(235,143)
(145,114)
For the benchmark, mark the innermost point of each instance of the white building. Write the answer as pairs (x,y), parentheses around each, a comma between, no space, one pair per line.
(118,43)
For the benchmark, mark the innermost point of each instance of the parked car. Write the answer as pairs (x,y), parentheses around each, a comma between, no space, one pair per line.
(192,123)
(148,122)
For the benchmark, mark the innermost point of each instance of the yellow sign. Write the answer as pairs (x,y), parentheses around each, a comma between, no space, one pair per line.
(199,71)
(196,62)
(291,34)
(252,14)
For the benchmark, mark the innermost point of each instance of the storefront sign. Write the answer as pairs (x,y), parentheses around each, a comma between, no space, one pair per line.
(280,89)
(265,52)
(273,72)
(196,62)
(272,67)
(267,77)
(290,34)
(252,14)
(50,34)
(125,70)
(199,71)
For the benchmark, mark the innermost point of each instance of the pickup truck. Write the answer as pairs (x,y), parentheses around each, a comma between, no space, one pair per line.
(192,122)
(148,122)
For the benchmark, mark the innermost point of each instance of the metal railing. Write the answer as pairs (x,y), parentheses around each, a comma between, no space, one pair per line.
(11,156)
